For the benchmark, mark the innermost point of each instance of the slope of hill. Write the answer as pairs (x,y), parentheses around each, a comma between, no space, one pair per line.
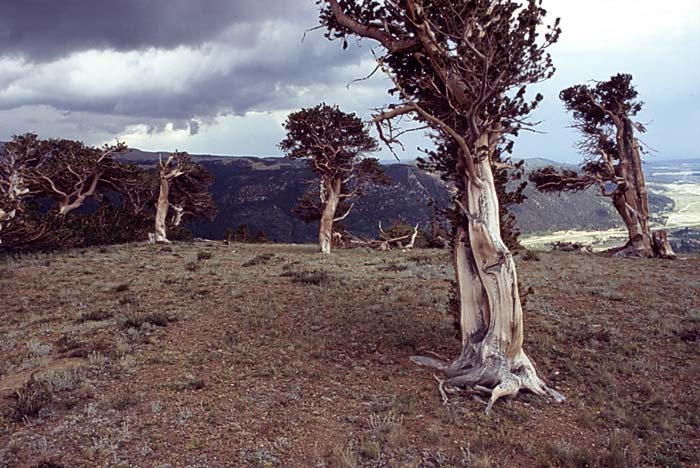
(205,355)
(261,192)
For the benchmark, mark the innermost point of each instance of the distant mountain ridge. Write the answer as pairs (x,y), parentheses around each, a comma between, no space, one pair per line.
(261,192)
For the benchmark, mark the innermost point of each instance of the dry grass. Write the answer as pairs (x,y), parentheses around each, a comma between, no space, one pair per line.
(264,355)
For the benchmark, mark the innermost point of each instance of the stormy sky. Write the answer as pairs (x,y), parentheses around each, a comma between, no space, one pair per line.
(220,76)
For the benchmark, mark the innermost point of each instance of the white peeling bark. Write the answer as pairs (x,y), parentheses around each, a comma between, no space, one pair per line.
(412,242)
(471,293)
(490,309)
(332,198)
(162,210)
(177,217)
(67,206)
(495,268)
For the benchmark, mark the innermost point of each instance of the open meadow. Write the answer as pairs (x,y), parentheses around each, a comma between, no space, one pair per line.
(213,355)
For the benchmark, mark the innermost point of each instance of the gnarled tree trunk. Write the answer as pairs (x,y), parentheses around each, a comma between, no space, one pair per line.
(492,358)
(631,199)
(162,209)
(636,220)
(3,215)
(662,248)
(330,195)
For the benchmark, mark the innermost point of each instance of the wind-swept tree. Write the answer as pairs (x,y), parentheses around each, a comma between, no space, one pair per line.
(70,172)
(43,182)
(183,188)
(461,67)
(334,143)
(603,114)
(65,173)
(17,159)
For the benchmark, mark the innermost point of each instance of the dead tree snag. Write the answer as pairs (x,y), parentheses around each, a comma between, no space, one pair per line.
(389,240)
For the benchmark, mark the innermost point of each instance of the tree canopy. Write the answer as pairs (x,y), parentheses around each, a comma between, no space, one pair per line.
(602,114)
(329,139)
(45,187)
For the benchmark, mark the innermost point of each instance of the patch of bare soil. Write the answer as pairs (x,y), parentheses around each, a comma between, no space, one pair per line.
(205,355)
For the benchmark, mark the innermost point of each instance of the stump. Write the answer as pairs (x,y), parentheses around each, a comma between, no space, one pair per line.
(662,248)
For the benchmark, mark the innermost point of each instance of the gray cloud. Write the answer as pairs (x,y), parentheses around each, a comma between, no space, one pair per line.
(42,30)
(194,127)
(219,75)
(50,123)
(165,61)
(180,84)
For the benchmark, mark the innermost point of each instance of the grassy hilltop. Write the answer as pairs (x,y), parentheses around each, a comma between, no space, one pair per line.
(206,355)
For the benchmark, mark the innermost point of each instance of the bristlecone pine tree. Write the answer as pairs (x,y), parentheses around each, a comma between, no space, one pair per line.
(334,143)
(17,160)
(62,174)
(461,67)
(44,182)
(603,115)
(184,190)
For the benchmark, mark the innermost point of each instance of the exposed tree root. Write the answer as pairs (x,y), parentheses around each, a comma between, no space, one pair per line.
(660,248)
(631,250)
(156,238)
(488,373)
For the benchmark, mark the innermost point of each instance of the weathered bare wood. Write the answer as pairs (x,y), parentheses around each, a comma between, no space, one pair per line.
(571,247)
(662,247)
(332,198)
(182,189)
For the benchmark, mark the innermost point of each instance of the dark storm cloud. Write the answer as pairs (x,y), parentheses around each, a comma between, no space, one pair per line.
(156,61)
(95,69)
(184,83)
(41,30)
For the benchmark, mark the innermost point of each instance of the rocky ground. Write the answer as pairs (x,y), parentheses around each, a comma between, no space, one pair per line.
(208,355)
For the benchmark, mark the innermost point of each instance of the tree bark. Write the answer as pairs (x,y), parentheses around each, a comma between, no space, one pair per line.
(491,315)
(162,210)
(631,199)
(80,198)
(662,248)
(332,198)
